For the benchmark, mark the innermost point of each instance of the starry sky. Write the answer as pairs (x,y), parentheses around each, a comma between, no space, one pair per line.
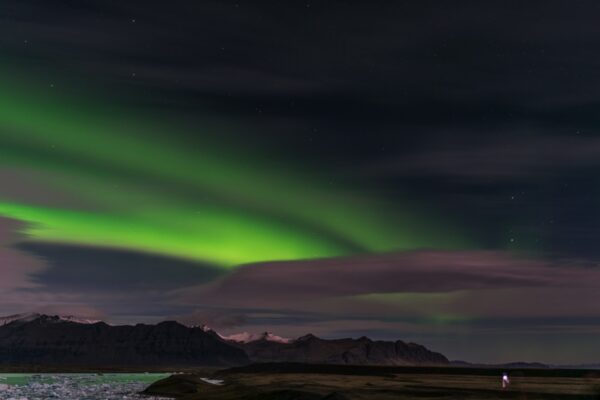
(425,171)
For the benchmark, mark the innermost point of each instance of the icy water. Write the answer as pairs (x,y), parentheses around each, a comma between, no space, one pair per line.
(76,386)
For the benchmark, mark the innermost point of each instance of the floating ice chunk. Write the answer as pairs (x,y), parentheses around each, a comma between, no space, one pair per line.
(75,387)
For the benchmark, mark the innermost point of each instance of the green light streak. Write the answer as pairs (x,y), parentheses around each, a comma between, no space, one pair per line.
(221,238)
(231,210)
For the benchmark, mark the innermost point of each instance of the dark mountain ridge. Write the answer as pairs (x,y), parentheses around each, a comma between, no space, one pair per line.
(51,340)
(363,351)
(45,340)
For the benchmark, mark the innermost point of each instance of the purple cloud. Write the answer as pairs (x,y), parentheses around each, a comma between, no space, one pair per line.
(272,283)
(503,157)
(415,292)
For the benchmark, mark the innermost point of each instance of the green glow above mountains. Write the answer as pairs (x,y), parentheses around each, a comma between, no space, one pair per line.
(140,189)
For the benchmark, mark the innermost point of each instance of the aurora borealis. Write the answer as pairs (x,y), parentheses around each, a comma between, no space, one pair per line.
(222,210)
(251,168)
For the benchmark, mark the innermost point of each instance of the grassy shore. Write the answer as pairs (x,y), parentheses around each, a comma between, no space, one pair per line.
(310,382)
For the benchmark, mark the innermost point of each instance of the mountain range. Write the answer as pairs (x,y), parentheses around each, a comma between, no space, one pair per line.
(44,340)
(363,351)
(57,341)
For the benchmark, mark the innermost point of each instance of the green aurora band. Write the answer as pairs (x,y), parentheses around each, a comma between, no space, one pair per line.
(141,190)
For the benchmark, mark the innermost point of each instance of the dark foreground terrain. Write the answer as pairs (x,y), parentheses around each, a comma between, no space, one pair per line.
(305,382)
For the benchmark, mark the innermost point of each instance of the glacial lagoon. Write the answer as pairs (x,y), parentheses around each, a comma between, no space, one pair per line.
(115,386)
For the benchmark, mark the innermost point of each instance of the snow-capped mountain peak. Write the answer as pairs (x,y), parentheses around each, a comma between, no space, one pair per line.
(78,320)
(206,328)
(28,317)
(246,337)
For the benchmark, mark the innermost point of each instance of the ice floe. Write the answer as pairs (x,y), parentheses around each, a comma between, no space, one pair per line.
(76,387)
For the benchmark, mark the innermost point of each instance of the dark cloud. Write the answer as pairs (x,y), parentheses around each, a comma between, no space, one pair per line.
(503,157)
(85,269)
(115,285)
(16,267)
(398,53)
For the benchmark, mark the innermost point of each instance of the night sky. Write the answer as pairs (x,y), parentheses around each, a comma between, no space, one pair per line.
(416,170)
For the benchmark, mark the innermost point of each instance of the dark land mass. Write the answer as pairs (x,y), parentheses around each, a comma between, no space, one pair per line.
(41,342)
(335,382)
(51,342)
(387,371)
(343,369)
(363,351)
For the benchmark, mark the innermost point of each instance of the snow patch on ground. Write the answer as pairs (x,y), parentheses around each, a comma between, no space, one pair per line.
(218,382)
